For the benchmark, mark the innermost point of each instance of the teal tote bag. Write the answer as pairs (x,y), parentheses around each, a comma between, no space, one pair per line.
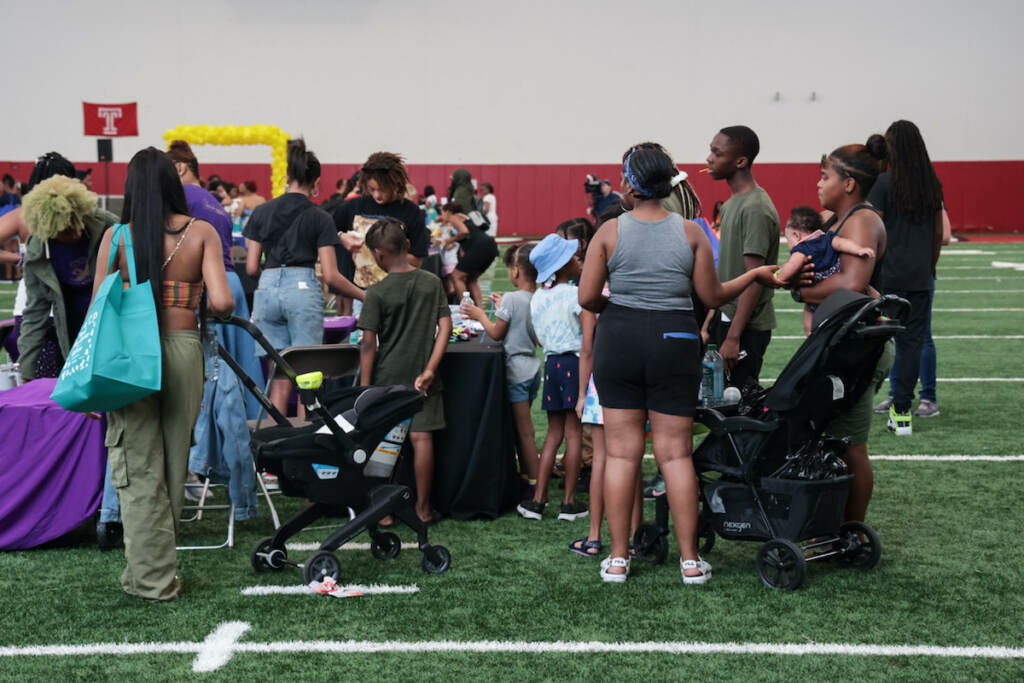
(115,359)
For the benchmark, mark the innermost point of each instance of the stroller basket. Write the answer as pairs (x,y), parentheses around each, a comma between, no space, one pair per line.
(796,509)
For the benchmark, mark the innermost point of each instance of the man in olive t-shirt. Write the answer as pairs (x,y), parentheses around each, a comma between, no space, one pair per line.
(749,238)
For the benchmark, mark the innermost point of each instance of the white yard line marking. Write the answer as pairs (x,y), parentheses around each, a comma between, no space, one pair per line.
(997,278)
(950,458)
(936,336)
(979,291)
(934,310)
(939,337)
(218,648)
(316,546)
(967,252)
(222,644)
(944,379)
(301,589)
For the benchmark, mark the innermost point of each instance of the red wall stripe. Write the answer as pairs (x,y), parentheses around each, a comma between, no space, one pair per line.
(534,198)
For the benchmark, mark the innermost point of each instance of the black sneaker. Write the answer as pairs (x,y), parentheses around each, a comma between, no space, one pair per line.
(531,509)
(574,510)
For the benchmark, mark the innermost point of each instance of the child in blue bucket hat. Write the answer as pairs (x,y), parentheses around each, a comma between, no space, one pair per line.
(555,313)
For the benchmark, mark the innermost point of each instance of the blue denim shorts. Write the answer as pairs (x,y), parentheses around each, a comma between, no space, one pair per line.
(524,391)
(288,307)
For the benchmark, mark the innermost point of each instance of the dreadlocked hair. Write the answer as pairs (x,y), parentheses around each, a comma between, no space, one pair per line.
(152,194)
(49,165)
(388,169)
(687,196)
(916,191)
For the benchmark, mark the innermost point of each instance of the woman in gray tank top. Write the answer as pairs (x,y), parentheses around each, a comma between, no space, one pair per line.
(647,349)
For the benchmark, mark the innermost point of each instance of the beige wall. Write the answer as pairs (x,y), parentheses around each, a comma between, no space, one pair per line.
(521,81)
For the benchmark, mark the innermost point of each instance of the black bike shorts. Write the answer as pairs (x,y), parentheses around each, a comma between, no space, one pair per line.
(647,360)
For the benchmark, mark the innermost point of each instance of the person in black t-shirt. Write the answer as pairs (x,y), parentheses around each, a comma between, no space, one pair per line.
(292,232)
(909,197)
(477,248)
(382,182)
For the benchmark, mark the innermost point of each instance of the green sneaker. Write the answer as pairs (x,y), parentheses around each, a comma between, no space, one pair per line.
(900,422)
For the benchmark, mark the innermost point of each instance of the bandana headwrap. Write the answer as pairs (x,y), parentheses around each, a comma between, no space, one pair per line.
(639,191)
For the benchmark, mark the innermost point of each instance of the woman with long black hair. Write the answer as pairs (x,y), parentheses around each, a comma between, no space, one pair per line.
(148,441)
(909,198)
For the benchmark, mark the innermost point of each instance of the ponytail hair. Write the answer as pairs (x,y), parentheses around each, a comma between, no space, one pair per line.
(181,151)
(303,166)
(687,196)
(863,163)
(650,173)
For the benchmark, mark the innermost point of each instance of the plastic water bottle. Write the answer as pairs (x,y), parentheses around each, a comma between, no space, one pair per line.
(467,300)
(712,383)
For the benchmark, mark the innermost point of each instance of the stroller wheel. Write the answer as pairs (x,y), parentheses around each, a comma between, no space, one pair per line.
(781,564)
(705,534)
(435,559)
(385,546)
(321,564)
(266,558)
(858,545)
(650,545)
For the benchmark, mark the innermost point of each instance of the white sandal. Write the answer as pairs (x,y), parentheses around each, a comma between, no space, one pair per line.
(700,565)
(609,562)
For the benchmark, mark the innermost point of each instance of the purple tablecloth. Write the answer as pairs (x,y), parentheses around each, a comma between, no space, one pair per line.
(52,464)
(337,328)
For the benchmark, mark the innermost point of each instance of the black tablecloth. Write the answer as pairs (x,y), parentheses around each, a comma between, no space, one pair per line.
(475,471)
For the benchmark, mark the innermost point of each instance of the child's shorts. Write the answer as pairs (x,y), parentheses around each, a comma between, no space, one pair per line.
(561,382)
(524,391)
(431,417)
(592,414)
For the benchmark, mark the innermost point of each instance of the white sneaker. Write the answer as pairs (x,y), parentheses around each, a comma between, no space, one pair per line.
(698,564)
(608,562)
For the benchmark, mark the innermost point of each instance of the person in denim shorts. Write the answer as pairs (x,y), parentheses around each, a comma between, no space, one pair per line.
(288,305)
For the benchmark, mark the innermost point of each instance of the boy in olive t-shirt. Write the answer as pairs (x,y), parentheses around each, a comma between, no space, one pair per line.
(406,324)
(749,238)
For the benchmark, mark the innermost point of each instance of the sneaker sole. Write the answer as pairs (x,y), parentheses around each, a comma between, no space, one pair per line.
(614,578)
(696,580)
(927,415)
(528,514)
(568,517)
(901,431)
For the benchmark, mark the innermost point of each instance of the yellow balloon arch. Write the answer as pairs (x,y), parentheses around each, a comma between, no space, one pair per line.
(273,136)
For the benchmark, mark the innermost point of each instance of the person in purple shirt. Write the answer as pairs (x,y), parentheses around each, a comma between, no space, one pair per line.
(221,434)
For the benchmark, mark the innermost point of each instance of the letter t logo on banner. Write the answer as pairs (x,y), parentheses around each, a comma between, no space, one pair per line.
(111,120)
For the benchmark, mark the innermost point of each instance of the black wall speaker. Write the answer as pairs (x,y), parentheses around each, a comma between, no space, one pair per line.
(105,149)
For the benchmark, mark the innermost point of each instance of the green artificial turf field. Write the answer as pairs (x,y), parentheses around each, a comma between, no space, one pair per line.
(516,605)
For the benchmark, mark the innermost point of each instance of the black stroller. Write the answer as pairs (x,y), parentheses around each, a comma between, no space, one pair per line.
(767,470)
(341,461)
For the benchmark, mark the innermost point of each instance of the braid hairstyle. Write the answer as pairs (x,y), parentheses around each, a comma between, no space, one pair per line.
(388,169)
(49,165)
(916,190)
(863,163)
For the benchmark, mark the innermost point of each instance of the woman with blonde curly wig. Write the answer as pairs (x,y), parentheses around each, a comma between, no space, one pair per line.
(65,225)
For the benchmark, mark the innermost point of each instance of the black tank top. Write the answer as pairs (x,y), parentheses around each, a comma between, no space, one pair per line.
(876,274)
